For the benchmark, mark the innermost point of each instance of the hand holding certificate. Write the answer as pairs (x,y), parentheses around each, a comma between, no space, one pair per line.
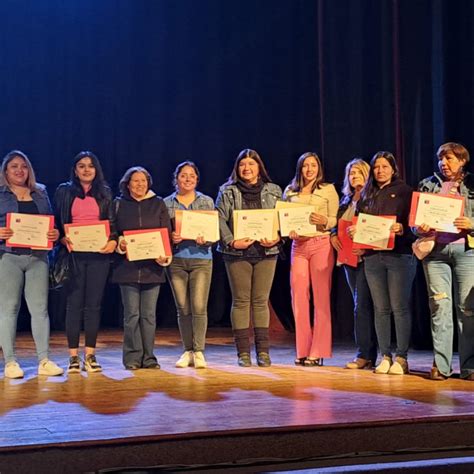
(374,232)
(90,237)
(147,244)
(437,211)
(30,230)
(255,224)
(296,219)
(198,223)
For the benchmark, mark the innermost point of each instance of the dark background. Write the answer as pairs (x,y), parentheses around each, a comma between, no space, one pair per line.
(154,82)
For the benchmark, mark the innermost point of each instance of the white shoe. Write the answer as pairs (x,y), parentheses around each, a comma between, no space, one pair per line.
(399,367)
(13,370)
(199,360)
(186,360)
(384,366)
(48,367)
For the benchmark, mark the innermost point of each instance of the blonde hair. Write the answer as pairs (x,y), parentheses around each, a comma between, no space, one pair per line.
(30,182)
(362,166)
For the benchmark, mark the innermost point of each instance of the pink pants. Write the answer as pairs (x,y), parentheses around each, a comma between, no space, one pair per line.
(312,259)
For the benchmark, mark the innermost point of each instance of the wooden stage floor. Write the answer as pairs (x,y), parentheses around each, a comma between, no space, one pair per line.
(341,410)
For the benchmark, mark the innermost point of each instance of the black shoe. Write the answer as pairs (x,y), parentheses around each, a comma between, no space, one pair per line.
(132,366)
(300,360)
(263,359)
(152,365)
(244,360)
(74,365)
(318,362)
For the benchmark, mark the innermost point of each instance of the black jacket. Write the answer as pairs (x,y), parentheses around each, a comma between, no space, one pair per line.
(130,214)
(393,200)
(63,199)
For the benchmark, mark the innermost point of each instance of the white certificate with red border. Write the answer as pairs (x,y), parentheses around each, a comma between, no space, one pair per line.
(88,237)
(29,230)
(255,224)
(146,244)
(373,232)
(191,224)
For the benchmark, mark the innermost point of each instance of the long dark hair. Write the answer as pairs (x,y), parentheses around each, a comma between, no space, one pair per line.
(371,187)
(297,182)
(178,169)
(99,188)
(248,153)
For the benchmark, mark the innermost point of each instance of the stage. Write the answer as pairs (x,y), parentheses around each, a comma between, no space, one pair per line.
(223,414)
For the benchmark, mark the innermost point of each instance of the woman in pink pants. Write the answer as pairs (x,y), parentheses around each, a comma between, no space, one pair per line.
(312,260)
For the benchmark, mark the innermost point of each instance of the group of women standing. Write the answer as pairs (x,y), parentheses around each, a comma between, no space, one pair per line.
(380,283)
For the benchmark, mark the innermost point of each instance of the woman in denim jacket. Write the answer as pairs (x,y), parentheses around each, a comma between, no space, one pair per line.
(23,269)
(451,262)
(190,272)
(250,264)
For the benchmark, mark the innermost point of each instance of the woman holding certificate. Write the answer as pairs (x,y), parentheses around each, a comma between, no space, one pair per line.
(85,219)
(312,261)
(22,269)
(390,273)
(356,174)
(137,209)
(451,262)
(190,272)
(250,248)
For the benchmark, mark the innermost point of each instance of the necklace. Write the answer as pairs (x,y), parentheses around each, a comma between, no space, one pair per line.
(22,194)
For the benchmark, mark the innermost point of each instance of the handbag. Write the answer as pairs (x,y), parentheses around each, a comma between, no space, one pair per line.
(423,246)
(61,267)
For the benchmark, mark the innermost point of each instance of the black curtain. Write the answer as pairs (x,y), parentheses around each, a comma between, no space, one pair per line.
(154,82)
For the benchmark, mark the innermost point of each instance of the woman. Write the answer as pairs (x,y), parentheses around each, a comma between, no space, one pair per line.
(84,199)
(23,269)
(250,264)
(451,261)
(191,270)
(390,273)
(139,208)
(312,261)
(356,174)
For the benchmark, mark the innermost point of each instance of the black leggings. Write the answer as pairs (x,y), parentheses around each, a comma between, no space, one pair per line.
(84,297)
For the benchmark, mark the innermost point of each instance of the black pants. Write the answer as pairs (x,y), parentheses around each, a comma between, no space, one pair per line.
(84,297)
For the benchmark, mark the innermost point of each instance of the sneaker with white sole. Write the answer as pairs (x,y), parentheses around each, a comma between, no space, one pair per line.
(199,360)
(13,370)
(186,360)
(49,368)
(399,367)
(74,365)
(91,364)
(384,366)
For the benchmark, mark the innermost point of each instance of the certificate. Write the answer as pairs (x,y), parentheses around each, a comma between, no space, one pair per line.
(345,256)
(29,230)
(255,224)
(296,218)
(90,237)
(197,223)
(145,244)
(438,211)
(373,232)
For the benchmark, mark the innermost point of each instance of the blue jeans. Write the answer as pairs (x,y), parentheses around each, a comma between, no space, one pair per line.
(364,329)
(139,323)
(390,277)
(28,273)
(447,266)
(190,280)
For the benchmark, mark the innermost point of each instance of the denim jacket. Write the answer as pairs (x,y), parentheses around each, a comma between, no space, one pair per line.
(230,199)
(433,184)
(9,203)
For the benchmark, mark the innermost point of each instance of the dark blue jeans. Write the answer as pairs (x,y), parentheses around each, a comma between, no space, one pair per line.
(139,323)
(364,329)
(390,277)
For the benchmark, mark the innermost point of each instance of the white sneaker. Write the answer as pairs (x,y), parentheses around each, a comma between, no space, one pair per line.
(48,367)
(199,360)
(399,367)
(384,366)
(186,360)
(13,370)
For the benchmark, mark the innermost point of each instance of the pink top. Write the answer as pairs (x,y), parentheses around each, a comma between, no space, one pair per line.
(85,210)
(450,188)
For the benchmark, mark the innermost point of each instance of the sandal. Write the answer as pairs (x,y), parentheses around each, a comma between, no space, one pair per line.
(318,362)
(300,360)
